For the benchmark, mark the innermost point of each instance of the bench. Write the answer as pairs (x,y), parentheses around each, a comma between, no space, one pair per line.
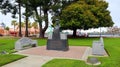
(25,43)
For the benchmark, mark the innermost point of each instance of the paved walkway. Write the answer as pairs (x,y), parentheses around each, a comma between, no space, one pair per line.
(30,61)
(39,55)
(74,52)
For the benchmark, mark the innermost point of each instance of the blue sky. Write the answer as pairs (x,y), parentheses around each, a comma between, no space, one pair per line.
(114,6)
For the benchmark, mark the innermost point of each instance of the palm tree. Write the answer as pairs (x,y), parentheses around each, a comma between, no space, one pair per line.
(22,24)
(20,34)
(22,27)
(7,29)
(27,15)
(35,25)
(14,23)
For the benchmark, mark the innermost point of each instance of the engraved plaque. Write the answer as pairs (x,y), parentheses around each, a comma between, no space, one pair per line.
(97,48)
(57,45)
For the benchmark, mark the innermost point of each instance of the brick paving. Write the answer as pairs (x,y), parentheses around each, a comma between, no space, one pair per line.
(39,55)
(74,52)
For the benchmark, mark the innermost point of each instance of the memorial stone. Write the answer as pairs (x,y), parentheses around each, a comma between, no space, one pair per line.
(25,42)
(98,47)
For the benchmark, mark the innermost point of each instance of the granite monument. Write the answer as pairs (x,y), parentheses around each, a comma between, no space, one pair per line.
(57,40)
(98,47)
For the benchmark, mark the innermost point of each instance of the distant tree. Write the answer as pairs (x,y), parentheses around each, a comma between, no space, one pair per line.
(113,30)
(85,14)
(29,26)
(7,28)
(14,23)
(23,24)
(3,25)
(35,25)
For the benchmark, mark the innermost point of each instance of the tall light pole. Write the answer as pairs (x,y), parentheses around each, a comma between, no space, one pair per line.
(100,32)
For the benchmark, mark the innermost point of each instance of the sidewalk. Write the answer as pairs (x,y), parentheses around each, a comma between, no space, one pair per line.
(30,61)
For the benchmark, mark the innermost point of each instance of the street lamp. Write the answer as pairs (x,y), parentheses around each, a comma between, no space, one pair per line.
(100,31)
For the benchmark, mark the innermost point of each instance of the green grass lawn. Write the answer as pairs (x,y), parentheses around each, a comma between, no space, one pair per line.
(7,44)
(4,59)
(112,45)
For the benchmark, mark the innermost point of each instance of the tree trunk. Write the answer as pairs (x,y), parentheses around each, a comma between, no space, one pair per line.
(26,31)
(20,35)
(42,30)
(46,22)
(41,35)
(74,32)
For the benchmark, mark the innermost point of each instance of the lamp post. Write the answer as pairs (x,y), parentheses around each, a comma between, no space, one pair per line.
(100,31)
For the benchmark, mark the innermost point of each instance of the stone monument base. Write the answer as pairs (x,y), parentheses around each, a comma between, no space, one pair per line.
(57,45)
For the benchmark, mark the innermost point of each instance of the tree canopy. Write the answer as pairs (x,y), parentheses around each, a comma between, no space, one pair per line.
(41,8)
(75,14)
(85,14)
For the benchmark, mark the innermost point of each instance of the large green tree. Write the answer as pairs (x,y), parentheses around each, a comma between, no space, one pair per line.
(85,14)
